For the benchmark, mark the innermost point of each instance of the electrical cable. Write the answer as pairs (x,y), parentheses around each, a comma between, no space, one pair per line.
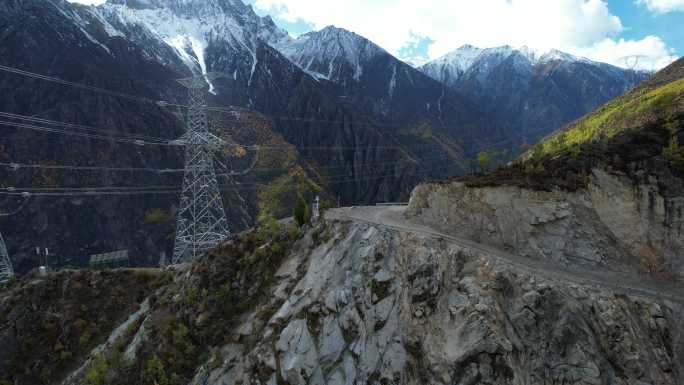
(85,135)
(18,166)
(76,126)
(57,80)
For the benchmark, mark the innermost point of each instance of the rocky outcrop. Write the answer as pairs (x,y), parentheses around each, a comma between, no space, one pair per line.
(373,305)
(615,222)
(356,303)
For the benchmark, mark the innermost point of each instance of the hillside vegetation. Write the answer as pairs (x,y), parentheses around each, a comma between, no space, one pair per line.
(639,131)
(635,110)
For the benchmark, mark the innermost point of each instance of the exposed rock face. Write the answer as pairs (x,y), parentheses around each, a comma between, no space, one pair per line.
(376,306)
(355,303)
(615,223)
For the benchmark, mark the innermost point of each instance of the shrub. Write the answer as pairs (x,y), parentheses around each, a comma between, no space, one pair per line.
(484,159)
(154,371)
(65,355)
(294,233)
(84,339)
(143,276)
(673,152)
(268,227)
(156,215)
(97,372)
(302,212)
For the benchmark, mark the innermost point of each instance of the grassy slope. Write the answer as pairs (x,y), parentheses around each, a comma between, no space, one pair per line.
(631,132)
(633,111)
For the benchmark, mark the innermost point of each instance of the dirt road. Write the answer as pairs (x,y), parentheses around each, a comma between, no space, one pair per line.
(634,285)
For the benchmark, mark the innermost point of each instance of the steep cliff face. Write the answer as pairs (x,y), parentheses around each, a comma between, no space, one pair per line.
(378,306)
(604,191)
(615,222)
(351,302)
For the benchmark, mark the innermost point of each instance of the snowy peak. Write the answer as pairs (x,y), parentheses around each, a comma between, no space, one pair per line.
(451,67)
(189,27)
(188,7)
(465,56)
(323,52)
(461,59)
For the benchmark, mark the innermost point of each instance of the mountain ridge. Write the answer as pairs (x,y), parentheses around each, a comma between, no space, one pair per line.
(536,92)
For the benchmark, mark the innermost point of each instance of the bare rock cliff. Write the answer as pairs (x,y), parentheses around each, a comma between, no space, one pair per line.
(614,223)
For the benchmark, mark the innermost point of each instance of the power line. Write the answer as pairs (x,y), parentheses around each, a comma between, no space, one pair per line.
(86,193)
(236,113)
(57,80)
(84,135)
(33,119)
(143,139)
(18,166)
(94,189)
(116,190)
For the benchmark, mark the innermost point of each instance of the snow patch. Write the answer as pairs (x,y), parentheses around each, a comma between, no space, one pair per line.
(393,82)
(198,48)
(451,67)
(188,25)
(328,50)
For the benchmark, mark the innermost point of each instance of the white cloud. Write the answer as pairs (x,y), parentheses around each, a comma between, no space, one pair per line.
(568,25)
(649,53)
(663,6)
(89,2)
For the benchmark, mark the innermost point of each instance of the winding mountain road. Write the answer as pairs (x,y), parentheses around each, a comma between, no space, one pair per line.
(630,284)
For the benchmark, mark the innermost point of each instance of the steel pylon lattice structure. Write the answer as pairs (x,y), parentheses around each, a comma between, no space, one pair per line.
(6,270)
(201,222)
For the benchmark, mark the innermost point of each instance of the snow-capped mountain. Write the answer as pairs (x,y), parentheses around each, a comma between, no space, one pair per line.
(140,47)
(535,91)
(325,53)
(383,124)
(450,68)
(377,83)
(190,27)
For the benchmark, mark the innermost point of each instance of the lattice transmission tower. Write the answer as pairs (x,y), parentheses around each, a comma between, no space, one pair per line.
(6,270)
(201,222)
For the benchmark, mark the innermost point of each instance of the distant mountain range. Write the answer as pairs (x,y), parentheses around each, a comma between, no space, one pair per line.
(359,124)
(536,92)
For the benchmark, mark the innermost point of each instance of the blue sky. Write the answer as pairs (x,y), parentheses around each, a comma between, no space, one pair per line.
(604,30)
(639,21)
(421,30)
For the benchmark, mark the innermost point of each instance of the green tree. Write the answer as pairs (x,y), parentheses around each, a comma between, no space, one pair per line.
(97,372)
(324,206)
(269,228)
(673,152)
(484,160)
(302,212)
(154,371)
